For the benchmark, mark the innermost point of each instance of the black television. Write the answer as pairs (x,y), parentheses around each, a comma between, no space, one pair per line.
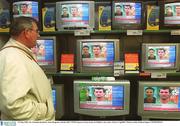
(72,15)
(97,55)
(160,57)
(127,14)
(45,52)
(102,98)
(28,8)
(159,100)
(58,100)
(170,14)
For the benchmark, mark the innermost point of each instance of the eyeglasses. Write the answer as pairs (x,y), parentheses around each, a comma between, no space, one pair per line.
(37,31)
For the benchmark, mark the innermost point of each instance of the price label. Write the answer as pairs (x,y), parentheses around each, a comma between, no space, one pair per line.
(175,32)
(82,32)
(134,32)
(158,75)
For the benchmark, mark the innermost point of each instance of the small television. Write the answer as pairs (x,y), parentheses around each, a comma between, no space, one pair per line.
(4,16)
(45,52)
(97,55)
(28,8)
(71,15)
(127,15)
(170,14)
(159,100)
(160,57)
(102,98)
(58,100)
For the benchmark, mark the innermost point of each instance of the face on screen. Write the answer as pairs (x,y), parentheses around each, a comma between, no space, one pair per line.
(161,98)
(101,97)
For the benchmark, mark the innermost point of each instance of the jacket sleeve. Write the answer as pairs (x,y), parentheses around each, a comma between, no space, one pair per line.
(17,100)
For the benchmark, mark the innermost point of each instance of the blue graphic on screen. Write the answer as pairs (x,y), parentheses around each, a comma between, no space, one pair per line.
(49,55)
(54,97)
(110,52)
(138,10)
(35,10)
(172,53)
(85,10)
(118,96)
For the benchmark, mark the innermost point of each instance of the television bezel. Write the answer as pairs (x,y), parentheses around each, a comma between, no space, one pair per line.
(155,114)
(53,67)
(102,112)
(108,69)
(59,22)
(60,103)
(162,16)
(118,26)
(159,69)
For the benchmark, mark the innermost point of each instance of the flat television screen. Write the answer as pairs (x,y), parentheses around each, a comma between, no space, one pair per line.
(106,98)
(159,99)
(71,15)
(26,8)
(58,100)
(97,55)
(45,53)
(160,57)
(127,15)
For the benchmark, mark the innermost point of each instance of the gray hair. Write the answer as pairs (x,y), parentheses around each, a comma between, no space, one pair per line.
(19,24)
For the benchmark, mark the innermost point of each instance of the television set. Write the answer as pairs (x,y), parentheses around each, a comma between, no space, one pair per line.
(45,52)
(102,53)
(72,15)
(170,14)
(28,8)
(4,16)
(159,99)
(127,14)
(58,100)
(160,57)
(101,98)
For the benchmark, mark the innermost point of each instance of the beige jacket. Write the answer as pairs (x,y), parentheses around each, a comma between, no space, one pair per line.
(25,92)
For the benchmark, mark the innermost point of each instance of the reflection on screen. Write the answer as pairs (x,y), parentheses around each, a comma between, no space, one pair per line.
(98,54)
(159,98)
(101,97)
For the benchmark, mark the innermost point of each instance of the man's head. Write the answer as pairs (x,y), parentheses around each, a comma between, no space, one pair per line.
(85,49)
(118,9)
(127,9)
(24,8)
(149,91)
(96,50)
(178,10)
(25,30)
(65,10)
(99,93)
(74,11)
(151,52)
(164,94)
(161,52)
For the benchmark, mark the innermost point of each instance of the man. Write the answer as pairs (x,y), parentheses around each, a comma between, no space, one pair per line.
(65,12)
(74,12)
(162,53)
(99,93)
(127,9)
(149,91)
(178,10)
(24,8)
(25,91)
(151,54)
(97,51)
(164,95)
(85,52)
(169,11)
(118,10)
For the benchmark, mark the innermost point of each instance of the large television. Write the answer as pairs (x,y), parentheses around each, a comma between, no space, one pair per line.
(160,99)
(170,14)
(160,57)
(71,15)
(127,15)
(58,100)
(45,52)
(97,55)
(102,98)
(28,8)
